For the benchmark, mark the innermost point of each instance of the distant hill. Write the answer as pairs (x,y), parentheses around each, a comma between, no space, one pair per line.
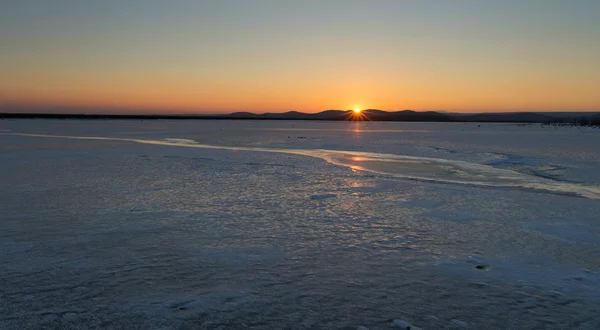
(243,115)
(407,115)
(370,114)
(580,118)
(592,119)
(518,117)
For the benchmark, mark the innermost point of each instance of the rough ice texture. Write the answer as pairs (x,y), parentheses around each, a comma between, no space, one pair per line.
(114,233)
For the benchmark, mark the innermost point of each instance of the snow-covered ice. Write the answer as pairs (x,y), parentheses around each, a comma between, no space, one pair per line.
(254,224)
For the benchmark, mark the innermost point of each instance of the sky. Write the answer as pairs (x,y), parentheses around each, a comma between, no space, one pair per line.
(201,56)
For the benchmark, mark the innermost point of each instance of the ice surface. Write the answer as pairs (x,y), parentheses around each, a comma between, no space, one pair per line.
(408,167)
(245,224)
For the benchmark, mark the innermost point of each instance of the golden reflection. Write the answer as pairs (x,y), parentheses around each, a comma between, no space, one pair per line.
(356,128)
(357,168)
(354,184)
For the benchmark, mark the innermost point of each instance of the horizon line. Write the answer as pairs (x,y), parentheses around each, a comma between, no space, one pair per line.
(6,110)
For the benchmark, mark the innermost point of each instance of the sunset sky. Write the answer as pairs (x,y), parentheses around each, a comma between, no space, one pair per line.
(200,56)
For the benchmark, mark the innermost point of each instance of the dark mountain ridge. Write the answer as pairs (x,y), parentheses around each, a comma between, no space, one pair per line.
(368,115)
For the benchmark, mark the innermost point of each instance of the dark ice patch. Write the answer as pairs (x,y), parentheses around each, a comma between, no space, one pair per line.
(322,197)
(453,216)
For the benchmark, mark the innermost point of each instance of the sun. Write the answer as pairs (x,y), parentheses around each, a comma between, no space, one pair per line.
(357,114)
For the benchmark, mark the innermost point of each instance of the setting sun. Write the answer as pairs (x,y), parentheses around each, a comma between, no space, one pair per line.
(357,110)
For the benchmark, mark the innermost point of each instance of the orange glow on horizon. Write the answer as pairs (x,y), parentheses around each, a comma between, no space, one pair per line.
(150,95)
(150,92)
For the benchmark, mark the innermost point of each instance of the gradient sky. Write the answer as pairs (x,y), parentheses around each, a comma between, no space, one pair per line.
(278,55)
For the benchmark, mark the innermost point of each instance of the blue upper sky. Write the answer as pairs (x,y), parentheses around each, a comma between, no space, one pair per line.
(212,56)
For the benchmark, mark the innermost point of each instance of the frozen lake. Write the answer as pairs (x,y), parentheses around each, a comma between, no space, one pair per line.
(298,225)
